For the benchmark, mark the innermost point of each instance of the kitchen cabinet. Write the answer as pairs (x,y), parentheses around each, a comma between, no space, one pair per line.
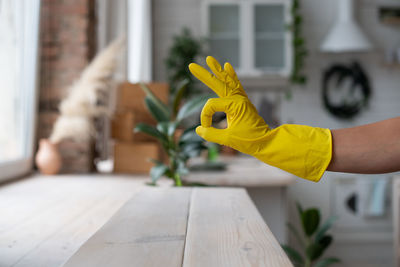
(252,35)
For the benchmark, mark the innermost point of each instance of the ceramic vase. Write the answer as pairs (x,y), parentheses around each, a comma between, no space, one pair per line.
(48,158)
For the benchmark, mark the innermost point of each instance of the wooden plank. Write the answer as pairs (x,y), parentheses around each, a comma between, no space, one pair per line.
(48,218)
(149,230)
(225,229)
(55,248)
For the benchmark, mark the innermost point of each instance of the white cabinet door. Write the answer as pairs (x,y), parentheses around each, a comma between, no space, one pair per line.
(269,36)
(224,32)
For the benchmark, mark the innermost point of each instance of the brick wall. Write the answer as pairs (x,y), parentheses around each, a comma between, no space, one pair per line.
(67,45)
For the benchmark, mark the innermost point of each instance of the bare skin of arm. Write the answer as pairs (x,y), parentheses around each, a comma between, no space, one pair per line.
(370,148)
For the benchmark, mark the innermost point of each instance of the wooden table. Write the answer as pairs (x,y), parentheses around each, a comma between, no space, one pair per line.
(266,185)
(183,227)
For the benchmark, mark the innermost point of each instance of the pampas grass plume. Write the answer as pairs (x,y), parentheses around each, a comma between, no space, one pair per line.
(80,106)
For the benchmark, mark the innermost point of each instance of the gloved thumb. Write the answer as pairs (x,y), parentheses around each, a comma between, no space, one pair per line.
(212,134)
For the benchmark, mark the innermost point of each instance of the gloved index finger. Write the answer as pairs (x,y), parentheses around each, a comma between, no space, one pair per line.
(208,79)
(213,105)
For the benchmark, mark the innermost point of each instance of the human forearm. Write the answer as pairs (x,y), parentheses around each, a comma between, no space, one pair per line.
(371,148)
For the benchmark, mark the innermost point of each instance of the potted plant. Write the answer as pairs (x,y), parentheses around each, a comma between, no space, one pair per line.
(178,147)
(315,241)
(183,51)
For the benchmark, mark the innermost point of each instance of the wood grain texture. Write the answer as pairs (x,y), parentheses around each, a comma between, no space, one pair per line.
(44,220)
(149,230)
(225,229)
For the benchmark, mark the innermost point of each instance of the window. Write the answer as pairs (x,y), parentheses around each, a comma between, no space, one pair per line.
(19,28)
(224,32)
(251,34)
(269,31)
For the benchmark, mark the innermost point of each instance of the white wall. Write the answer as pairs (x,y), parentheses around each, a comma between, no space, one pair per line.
(306,108)
(306,105)
(169,17)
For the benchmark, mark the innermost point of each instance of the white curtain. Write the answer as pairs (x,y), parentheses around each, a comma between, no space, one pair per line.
(19,30)
(139,41)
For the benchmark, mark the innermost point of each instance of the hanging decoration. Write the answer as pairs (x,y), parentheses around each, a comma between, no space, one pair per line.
(346,90)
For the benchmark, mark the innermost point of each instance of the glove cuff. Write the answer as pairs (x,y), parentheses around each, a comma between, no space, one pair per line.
(298,149)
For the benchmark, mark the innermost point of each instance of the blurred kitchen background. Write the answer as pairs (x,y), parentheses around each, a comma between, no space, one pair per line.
(330,64)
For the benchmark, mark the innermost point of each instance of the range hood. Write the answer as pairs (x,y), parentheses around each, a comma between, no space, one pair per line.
(346,35)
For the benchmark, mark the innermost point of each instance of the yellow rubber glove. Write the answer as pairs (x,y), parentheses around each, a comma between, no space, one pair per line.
(301,150)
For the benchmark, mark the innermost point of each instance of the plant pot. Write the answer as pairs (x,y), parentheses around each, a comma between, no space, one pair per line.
(48,158)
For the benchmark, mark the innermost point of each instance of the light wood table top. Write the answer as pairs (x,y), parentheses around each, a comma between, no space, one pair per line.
(213,227)
(45,219)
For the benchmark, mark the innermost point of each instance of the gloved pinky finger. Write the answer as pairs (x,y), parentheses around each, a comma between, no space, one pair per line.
(212,134)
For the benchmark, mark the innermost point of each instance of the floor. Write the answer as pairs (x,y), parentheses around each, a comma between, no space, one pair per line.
(45,219)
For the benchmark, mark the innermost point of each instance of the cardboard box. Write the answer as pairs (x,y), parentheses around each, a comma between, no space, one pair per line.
(131,96)
(134,157)
(123,123)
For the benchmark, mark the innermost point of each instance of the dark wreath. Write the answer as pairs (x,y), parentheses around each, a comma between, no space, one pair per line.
(359,82)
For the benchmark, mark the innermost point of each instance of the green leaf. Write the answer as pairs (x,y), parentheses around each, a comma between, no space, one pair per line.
(310,221)
(314,251)
(156,161)
(155,110)
(325,227)
(325,241)
(181,168)
(168,128)
(294,256)
(156,100)
(172,128)
(190,129)
(191,149)
(178,95)
(190,136)
(191,106)
(150,130)
(296,234)
(157,171)
(326,262)
(163,127)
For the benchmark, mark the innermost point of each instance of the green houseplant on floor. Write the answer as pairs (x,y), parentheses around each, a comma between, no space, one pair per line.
(178,147)
(315,241)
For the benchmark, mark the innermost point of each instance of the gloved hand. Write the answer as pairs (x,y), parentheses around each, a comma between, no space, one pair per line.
(301,150)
